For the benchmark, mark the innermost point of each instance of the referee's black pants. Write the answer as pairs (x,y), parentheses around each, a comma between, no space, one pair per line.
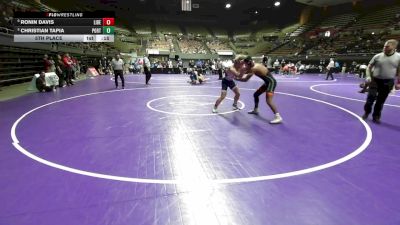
(148,74)
(330,73)
(378,91)
(119,73)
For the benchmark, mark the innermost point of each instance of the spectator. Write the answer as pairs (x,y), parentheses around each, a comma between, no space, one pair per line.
(68,69)
(60,70)
(52,64)
(41,83)
(46,63)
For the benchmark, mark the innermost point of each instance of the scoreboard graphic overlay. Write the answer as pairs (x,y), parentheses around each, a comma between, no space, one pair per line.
(64,26)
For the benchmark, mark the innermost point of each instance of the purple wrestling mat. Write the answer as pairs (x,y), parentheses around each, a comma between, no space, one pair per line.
(93,154)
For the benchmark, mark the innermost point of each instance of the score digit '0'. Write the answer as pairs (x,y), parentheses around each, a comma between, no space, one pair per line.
(108,21)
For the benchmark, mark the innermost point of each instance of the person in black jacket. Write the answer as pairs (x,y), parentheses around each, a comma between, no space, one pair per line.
(41,83)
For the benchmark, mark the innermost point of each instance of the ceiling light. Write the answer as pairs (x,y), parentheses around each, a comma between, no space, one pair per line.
(277,3)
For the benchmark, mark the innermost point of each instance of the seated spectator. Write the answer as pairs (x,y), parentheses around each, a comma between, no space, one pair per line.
(189,46)
(41,83)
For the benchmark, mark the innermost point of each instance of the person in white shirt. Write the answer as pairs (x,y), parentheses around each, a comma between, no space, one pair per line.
(302,68)
(386,68)
(146,66)
(344,68)
(276,66)
(330,68)
(118,67)
(363,70)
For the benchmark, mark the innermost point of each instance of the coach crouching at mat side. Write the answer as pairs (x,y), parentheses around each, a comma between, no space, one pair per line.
(118,67)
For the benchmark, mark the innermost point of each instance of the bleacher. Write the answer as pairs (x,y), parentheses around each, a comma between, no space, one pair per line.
(351,33)
(218,45)
(376,20)
(161,43)
(243,34)
(395,36)
(38,5)
(302,28)
(287,31)
(142,27)
(276,41)
(338,20)
(191,46)
(6,8)
(197,31)
(242,43)
(318,44)
(367,35)
(220,33)
(19,64)
(167,28)
(243,40)
(266,32)
(292,47)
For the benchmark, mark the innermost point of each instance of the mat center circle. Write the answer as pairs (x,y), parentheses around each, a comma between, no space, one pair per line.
(191,105)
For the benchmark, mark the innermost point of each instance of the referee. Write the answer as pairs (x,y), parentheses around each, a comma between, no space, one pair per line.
(146,66)
(386,67)
(118,67)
